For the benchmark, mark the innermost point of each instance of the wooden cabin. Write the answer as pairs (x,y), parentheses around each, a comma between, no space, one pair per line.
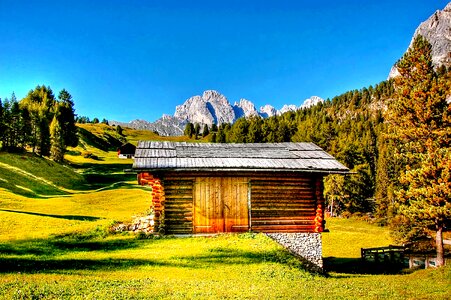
(210,188)
(127,150)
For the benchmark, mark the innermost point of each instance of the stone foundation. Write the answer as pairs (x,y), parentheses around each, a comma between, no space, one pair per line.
(139,224)
(306,246)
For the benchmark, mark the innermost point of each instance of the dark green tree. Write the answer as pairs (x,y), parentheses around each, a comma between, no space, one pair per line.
(119,129)
(221,136)
(40,104)
(254,132)
(239,130)
(66,119)
(205,131)
(2,122)
(57,148)
(213,137)
(189,130)
(196,130)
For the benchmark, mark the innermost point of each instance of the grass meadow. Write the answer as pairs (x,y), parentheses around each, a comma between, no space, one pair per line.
(56,243)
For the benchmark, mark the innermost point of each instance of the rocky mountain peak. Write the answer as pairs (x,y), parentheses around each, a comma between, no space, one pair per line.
(208,108)
(437,30)
(267,111)
(313,100)
(211,107)
(244,108)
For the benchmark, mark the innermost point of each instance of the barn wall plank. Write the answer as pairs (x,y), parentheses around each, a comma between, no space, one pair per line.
(282,204)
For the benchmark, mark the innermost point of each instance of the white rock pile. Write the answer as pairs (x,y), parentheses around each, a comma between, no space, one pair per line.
(139,224)
(306,246)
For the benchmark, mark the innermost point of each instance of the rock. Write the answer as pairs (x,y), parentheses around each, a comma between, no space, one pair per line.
(211,107)
(267,111)
(437,30)
(312,101)
(287,108)
(306,246)
(244,108)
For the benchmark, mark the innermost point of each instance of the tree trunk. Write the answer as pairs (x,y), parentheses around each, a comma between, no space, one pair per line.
(439,246)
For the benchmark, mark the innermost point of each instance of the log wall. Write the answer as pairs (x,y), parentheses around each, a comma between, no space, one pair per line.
(278,202)
(283,204)
(178,205)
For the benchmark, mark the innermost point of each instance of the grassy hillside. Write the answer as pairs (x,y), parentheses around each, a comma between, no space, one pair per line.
(99,143)
(29,175)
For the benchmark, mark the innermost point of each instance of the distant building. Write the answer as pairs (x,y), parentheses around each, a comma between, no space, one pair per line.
(126,151)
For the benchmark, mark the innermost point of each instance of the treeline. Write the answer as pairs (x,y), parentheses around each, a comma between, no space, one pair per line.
(41,122)
(84,120)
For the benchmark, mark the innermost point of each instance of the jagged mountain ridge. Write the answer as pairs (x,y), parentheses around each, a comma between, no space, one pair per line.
(437,30)
(210,108)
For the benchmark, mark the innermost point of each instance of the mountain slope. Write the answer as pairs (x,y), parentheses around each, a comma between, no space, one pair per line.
(437,30)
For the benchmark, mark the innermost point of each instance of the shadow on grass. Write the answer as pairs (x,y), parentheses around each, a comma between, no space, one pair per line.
(108,178)
(96,168)
(23,265)
(357,266)
(46,254)
(66,217)
(45,249)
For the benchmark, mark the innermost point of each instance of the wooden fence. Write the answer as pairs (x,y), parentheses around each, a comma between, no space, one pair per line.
(390,254)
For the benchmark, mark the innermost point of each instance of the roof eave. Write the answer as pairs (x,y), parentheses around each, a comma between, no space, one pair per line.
(319,171)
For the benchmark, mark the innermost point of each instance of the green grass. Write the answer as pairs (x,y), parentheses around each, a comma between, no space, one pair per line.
(61,248)
(29,175)
(102,142)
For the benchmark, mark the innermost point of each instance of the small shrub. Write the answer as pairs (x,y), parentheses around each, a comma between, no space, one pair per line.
(87,154)
(141,235)
(346,215)
(247,235)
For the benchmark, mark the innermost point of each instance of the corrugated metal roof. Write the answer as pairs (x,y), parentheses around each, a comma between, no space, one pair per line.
(303,157)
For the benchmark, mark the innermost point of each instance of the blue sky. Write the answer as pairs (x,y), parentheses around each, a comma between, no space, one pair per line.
(125,60)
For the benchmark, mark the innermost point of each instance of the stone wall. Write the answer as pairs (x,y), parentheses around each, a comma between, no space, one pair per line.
(306,246)
(139,224)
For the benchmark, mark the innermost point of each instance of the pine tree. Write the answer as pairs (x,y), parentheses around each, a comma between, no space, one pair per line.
(119,129)
(6,123)
(419,121)
(40,104)
(196,130)
(205,131)
(57,140)
(66,118)
(189,129)
(254,132)
(2,126)
(221,136)
(238,133)
(213,137)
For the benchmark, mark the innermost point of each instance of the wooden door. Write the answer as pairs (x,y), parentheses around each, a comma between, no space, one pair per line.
(221,204)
